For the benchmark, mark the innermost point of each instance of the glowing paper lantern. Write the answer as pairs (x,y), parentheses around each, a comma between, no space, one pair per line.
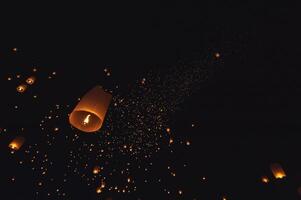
(31,80)
(21,88)
(265,179)
(98,190)
(17,143)
(89,113)
(96,170)
(277,171)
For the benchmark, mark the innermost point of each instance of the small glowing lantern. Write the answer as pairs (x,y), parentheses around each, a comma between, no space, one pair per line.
(217,55)
(17,143)
(98,190)
(21,88)
(89,113)
(277,171)
(96,170)
(265,179)
(31,80)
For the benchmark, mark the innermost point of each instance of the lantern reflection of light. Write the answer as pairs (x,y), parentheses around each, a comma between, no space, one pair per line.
(17,143)
(90,112)
(31,80)
(21,88)
(277,171)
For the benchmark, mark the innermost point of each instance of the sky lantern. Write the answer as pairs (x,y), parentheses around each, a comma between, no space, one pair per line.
(89,114)
(277,171)
(265,179)
(17,143)
(96,170)
(21,88)
(31,80)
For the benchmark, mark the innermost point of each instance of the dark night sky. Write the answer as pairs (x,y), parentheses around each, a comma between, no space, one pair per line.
(246,113)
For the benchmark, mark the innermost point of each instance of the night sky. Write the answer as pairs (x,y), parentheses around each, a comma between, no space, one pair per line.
(205,101)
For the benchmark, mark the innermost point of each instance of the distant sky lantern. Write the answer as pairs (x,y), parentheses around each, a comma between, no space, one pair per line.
(96,170)
(217,55)
(89,114)
(17,143)
(277,171)
(31,80)
(265,179)
(21,88)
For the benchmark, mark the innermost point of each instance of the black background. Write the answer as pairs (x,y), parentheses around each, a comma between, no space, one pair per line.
(247,113)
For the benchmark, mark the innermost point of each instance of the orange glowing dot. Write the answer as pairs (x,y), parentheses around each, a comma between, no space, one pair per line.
(217,55)
(9,78)
(265,179)
(180,192)
(171,141)
(168,130)
(187,143)
(15,49)
(21,88)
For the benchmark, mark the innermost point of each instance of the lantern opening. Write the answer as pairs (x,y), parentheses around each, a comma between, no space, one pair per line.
(85,120)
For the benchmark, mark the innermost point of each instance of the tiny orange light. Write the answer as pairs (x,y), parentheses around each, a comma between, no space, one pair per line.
(265,179)
(31,80)
(277,171)
(21,88)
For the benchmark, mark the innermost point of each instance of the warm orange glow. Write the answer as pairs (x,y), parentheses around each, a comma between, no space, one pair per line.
(265,179)
(170,141)
(89,113)
(87,120)
(17,143)
(103,184)
(98,190)
(21,88)
(31,80)
(217,55)
(278,171)
(168,130)
(96,170)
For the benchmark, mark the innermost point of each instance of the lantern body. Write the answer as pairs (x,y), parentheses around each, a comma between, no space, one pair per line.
(96,170)
(21,88)
(90,112)
(31,80)
(277,171)
(17,143)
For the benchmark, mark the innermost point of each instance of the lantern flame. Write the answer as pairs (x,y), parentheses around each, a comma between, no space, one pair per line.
(87,120)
